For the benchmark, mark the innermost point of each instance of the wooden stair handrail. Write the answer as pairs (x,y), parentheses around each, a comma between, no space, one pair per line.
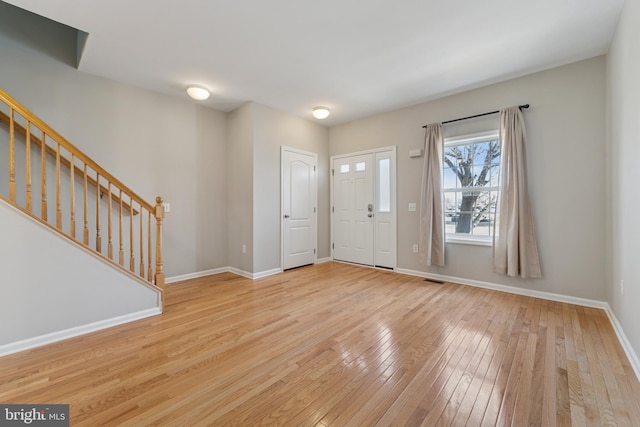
(71,148)
(78,167)
(66,236)
(80,173)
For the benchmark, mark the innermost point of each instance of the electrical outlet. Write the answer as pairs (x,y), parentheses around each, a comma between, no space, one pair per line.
(244,249)
(415,249)
(412,207)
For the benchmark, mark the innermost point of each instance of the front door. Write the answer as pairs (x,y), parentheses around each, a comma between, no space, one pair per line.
(353,209)
(298,208)
(364,208)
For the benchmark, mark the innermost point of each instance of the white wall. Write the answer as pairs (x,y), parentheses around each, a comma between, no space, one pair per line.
(623,84)
(274,129)
(48,284)
(566,144)
(156,144)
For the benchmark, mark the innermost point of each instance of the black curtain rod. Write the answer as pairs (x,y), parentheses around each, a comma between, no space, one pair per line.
(478,115)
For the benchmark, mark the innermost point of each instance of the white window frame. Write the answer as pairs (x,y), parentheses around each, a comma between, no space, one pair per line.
(464,140)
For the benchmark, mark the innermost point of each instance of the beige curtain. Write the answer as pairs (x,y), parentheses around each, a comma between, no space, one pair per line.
(515,252)
(431,241)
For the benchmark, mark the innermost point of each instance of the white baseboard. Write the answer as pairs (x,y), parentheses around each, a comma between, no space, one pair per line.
(509,289)
(266,273)
(205,273)
(29,343)
(239,272)
(252,276)
(196,275)
(624,342)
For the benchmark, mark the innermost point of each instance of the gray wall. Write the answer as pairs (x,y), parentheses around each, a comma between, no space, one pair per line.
(256,133)
(274,129)
(155,144)
(623,84)
(566,144)
(200,160)
(92,291)
(240,188)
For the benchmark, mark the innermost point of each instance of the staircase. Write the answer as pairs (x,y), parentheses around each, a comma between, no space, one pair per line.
(57,185)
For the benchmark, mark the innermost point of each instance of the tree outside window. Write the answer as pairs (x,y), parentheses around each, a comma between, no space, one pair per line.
(471,167)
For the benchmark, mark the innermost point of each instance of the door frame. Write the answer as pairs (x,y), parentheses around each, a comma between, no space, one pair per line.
(284,149)
(394,198)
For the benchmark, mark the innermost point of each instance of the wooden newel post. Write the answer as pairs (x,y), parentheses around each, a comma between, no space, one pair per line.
(159,214)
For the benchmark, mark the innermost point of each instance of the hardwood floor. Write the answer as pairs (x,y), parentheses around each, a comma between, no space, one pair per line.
(338,345)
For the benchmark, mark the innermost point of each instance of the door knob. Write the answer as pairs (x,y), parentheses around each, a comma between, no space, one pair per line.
(370,215)
(286,216)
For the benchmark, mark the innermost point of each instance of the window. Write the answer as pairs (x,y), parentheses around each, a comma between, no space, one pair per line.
(471,168)
(384,185)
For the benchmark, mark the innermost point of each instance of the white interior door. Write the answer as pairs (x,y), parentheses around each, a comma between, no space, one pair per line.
(298,208)
(364,215)
(353,206)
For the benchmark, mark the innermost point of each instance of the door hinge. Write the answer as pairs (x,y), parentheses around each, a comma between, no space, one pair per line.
(314,251)
(314,168)
(314,210)
(333,246)
(332,172)
(333,208)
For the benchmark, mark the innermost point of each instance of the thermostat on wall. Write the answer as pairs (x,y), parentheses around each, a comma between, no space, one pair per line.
(415,153)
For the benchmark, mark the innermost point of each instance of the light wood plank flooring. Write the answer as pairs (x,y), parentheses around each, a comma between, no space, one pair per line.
(338,345)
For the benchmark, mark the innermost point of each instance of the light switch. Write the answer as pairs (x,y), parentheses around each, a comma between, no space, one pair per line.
(167,207)
(412,207)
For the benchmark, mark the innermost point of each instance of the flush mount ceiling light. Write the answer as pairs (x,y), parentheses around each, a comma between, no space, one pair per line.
(321,112)
(198,92)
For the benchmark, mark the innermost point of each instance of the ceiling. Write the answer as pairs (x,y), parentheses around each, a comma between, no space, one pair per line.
(358,58)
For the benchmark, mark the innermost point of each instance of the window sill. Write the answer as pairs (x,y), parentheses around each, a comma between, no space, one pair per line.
(468,241)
